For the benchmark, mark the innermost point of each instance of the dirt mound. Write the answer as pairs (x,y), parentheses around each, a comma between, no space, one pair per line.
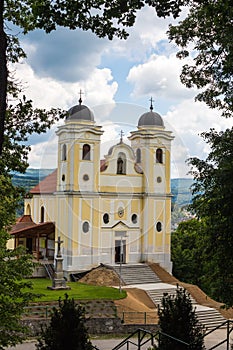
(138,301)
(101,276)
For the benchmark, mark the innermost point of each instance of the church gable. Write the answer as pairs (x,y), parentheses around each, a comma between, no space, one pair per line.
(120,160)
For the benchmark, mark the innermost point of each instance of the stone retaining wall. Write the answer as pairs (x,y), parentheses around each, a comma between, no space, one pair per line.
(95,326)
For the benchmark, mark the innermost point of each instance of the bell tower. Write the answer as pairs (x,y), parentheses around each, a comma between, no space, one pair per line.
(152,146)
(78,180)
(78,151)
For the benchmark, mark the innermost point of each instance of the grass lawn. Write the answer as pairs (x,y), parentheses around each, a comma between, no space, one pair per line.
(77,291)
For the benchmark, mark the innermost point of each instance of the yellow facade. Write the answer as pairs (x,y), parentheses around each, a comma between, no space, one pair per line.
(116,209)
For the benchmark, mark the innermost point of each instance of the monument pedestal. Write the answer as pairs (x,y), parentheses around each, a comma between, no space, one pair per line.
(59,281)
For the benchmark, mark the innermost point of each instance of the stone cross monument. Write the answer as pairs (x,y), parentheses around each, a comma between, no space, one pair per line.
(59,281)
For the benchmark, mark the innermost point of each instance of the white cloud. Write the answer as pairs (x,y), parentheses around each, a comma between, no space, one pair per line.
(147,35)
(188,120)
(159,76)
(99,88)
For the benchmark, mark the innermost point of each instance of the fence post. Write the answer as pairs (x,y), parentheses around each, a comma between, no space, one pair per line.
(228,334)
(144,317)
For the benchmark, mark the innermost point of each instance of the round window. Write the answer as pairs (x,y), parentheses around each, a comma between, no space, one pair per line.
(63,177)
(159,179)
(85,177)
(134,218)
(120,212)
(159,226)
(106,218)
(85,226)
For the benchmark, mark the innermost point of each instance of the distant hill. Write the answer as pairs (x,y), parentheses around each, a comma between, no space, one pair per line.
(181,192)
(180,187)
(31,178)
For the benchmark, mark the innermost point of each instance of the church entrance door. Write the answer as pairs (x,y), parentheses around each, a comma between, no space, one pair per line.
(120,251)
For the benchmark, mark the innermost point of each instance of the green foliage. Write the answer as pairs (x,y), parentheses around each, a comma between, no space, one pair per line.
(178,319)
(66,329)
(187,251)
(104,18)
(15,265)
(212,202)
(206,35)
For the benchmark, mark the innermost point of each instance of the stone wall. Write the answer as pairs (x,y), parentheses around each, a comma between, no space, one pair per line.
(95,326)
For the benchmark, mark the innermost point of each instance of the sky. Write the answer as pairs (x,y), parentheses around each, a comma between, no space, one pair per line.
(118,79)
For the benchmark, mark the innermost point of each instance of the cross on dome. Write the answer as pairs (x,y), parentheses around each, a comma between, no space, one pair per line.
(121,134)
(80,97)
(151,104)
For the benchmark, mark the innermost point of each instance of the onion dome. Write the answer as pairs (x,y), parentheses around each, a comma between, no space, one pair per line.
(150,119)
(80,112)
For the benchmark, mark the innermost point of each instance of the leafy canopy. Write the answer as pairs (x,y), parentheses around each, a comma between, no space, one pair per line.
(206,35)
(212,203)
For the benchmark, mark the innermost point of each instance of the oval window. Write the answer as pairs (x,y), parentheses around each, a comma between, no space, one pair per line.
(159,226)
(85,226)
(106,218)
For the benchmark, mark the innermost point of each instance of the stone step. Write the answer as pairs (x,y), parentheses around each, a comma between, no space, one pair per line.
(156,295)
(210,318)
(136,274)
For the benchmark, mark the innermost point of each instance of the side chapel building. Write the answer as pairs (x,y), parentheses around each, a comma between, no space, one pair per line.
(107,210)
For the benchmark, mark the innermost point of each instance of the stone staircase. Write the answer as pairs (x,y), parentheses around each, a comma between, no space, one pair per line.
(156,295)
(143,274)
(209,317)
(49,268)
(136,274)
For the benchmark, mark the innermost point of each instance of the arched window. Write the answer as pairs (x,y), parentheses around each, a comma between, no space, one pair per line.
(42,214)
(28,210)
(138,156)
(63,154)
(121,163)
(159,155)
(86,152)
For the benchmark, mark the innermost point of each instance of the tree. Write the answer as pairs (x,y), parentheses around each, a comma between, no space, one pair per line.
(206,35)
(187,251)
(212,203)
(15,266)
(178,319)
(104,18)
(66,329)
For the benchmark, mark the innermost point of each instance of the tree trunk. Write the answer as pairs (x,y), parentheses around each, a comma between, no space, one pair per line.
(3,75)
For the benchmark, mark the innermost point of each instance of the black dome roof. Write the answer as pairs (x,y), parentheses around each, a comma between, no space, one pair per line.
(80,112)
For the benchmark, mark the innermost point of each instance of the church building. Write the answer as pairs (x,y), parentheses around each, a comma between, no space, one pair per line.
(111,210)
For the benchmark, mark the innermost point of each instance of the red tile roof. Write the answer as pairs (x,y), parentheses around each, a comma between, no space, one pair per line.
(48,185)
(25,225)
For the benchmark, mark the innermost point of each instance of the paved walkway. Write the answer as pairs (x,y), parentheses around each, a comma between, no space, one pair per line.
(107,344)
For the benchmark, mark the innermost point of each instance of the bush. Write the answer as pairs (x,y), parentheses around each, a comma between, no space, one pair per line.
(178,319)
(66,329)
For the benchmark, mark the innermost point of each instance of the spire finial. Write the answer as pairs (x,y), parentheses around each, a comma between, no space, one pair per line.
(80,97)
(151,104)
(121,134)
